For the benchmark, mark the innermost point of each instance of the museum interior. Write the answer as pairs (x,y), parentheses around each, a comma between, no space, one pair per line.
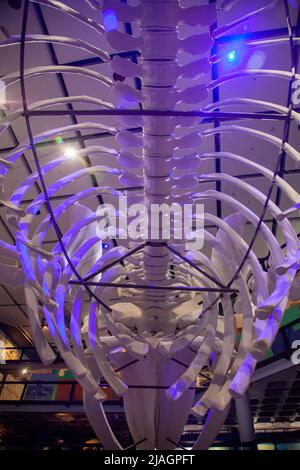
(118,330)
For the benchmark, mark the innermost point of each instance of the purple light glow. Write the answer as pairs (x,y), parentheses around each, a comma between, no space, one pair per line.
(26,262)
(93,325)
(49,322)
(60,314)
(74,326)
(257,60)
(175,391)
(110,20)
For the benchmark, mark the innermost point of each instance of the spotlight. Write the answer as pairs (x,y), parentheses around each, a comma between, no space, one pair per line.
(70,152)
(105,246)
(110,20)
(24,371)
(231,56)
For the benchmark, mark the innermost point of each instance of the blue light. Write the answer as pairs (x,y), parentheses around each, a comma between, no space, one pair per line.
(110,20)
(231,56)
(105,246)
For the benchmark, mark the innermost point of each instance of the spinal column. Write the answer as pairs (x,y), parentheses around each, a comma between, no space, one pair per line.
(158,27)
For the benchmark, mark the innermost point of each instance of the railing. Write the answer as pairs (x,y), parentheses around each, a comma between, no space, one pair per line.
(62,391)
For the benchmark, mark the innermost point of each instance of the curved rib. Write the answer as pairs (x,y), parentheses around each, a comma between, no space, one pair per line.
(41,38)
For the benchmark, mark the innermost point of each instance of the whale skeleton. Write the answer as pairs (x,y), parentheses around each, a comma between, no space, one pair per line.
(151,317)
